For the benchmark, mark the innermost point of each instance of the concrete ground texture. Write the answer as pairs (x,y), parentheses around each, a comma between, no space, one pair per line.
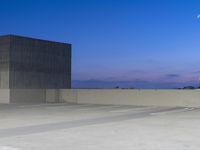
(98,127)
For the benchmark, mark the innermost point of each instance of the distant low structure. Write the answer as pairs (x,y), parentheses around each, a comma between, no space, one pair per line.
(28,63)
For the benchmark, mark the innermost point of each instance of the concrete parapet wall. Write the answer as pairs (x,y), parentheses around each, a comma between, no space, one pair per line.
(52,95)
(68,96)
(61,95)
(185,98)
(4,96)
(27,95)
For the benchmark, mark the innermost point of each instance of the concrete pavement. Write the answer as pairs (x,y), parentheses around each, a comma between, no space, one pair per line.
(71,126)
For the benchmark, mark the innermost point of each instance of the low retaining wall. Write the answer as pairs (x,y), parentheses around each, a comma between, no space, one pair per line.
(185,98)
(4,96)
(27,95)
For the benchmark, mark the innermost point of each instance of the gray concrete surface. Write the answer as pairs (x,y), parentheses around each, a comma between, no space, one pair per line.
(170,98)
(97,127)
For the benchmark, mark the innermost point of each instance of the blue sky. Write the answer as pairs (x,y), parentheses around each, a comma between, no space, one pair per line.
(127,43)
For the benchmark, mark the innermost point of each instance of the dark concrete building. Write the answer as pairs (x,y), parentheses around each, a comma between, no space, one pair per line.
(27,63)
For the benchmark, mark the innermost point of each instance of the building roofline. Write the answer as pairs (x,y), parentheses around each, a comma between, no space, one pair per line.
(31,38)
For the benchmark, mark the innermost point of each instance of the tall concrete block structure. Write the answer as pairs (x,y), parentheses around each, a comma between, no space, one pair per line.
(34,65)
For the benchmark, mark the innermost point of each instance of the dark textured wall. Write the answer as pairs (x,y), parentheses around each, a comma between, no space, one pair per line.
(38,64)
(4,61)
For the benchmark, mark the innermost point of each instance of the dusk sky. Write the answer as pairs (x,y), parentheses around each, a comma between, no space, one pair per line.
(126,43)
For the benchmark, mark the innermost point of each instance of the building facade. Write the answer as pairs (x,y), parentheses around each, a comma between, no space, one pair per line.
(28,63)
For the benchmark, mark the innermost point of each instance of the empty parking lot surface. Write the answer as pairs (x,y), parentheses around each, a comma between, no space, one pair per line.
(85,126)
